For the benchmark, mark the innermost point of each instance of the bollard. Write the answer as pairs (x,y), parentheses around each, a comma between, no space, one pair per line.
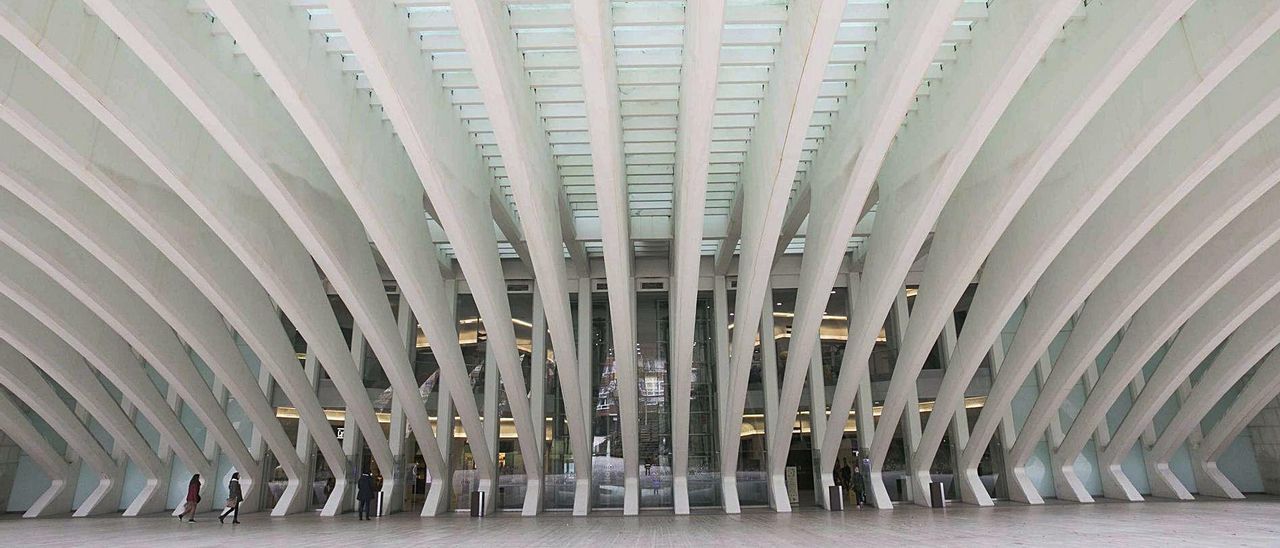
(936,497)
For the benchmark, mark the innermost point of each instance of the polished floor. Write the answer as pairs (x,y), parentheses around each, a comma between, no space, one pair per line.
(1253,522)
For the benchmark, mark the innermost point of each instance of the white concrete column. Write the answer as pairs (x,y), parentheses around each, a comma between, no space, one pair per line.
(818,419)
(62,485)
(776,484)
(537,404)
(583,491)
(393,501)
(342,499)
(492,426)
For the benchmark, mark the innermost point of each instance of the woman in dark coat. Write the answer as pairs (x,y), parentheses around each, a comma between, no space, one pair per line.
(193,499)
(234,498)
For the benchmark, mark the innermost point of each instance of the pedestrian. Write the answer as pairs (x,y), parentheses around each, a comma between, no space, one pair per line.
(859,487)
(364,494)
(234,498)
(193,499)
(844,478)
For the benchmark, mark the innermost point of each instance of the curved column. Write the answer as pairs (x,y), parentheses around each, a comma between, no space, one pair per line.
(29,238)
(102,347)
(186,241)
(915,182)
(156,345)
(238,110)
(535,182)
(1090,171)
(842,176)
(171,143)
(1238,183)
(1051,109)
(124,252)
(768,172)
(1262,388)
(321,99)
(1084,269)
(1246,240)
(700,61)
(1203,332)
(24,381)
(1246,347)
(69,369)
(62,476)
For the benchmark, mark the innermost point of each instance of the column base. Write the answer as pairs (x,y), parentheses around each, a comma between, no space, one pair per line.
(1211,482)
(1066,482)
(56,499)
(1163,481)
(729,491)
(532,497)
(920,480)
(971,490)
(1115,484)
(336,504)
(878,495)
(100,499)
(680,493)
(292,500)
(582,496)
(1020,487)
(779,498)
(631,496)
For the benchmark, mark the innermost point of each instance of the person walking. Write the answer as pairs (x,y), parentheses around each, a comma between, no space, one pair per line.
(844,478)
(193,499)
(859,487)
(364,494)
(234,498)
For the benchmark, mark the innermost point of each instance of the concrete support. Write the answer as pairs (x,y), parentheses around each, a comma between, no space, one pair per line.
(768,173)
(584,492)
(700,59)
(62,484)
(537,404)
(67,368)
(219,272)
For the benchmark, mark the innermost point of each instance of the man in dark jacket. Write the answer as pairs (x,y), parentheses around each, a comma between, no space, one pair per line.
(364,494)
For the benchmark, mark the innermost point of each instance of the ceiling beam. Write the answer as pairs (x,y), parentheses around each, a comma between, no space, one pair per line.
(1234,306)
(104,348)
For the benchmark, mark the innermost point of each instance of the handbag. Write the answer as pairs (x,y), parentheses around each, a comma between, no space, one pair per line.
(231,502)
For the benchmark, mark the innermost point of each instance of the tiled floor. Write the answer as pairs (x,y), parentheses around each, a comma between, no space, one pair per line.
(1204,523)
